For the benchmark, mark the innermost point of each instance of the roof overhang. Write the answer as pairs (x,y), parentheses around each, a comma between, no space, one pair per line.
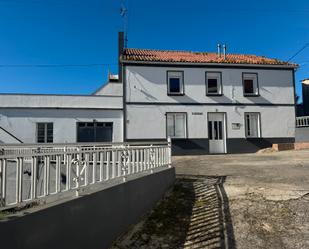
(192,64)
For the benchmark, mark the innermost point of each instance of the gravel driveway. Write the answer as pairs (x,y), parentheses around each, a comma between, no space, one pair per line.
(267,194)
(231,201)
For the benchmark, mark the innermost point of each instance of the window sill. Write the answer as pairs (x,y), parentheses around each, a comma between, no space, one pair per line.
(214,94)
(251,95)
(175,94)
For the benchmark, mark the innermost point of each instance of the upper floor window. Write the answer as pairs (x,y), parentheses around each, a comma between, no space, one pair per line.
(250,84)
(45,132)
(252,124)
(176,125)
(175,83)
(213,83)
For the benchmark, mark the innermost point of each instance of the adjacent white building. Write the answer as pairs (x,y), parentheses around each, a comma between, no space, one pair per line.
(27,118)
(207,103)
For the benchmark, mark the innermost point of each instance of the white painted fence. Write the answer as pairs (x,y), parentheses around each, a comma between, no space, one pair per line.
(302,121)
(29,173)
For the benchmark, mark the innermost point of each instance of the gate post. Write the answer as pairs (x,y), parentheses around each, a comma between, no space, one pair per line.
(169,154)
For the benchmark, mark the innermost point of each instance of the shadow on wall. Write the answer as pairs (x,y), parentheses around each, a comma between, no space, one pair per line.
(195,214)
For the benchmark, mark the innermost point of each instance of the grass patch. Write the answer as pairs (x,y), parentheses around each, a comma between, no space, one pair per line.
(172,215)
(3,215)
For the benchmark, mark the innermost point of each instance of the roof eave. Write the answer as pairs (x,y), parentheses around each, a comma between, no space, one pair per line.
(290,66)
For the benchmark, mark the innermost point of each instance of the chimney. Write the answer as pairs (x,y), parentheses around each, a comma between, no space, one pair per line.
(224,51)
(219,50)
(120,52)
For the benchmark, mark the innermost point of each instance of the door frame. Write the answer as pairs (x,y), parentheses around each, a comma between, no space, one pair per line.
(225,124)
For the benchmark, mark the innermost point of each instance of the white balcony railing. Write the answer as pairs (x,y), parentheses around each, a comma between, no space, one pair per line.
(302,121)
(29,173)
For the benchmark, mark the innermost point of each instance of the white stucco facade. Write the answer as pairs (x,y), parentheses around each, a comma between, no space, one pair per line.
(275,121)
(19,115)
(148,101)
(149,84)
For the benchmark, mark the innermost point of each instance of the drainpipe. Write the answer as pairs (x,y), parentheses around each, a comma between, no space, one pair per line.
(120,52)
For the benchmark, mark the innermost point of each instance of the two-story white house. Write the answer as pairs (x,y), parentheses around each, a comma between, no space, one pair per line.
(208,102)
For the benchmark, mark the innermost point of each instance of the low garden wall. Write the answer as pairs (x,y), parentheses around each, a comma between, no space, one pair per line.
(93,221)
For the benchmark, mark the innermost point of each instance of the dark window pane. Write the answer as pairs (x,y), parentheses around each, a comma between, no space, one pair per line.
(216,129)
(248,86)
(49,133)
(174,84)
(85,134)
(248,126)
(220,129)
(45,132)
(95,132)
(209,129)
(104,134)
(41,133)
(212,86)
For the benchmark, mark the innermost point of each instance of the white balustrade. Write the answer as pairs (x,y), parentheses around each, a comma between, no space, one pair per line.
(302,121)
(29,173)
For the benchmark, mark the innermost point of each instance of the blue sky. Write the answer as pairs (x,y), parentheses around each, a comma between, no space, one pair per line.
(85,32)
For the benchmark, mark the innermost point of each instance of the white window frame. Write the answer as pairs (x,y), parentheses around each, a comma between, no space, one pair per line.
(179,75)
(258,126)
(214,75)
(45,131)
(174,114)
(254,77)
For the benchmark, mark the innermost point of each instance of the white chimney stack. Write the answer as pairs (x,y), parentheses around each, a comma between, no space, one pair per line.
(224,51)
(219,50)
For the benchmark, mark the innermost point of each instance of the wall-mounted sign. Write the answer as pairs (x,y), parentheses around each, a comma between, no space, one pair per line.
(236,126)
(197,113)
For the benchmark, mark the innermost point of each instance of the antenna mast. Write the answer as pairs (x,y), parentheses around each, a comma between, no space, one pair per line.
(124,16)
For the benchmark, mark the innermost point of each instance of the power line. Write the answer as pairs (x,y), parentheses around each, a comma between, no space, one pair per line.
(299,51)
(56,65)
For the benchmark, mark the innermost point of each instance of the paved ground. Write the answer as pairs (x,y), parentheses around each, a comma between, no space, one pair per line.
(231,201)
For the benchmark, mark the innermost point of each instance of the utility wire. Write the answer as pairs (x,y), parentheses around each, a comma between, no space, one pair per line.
(299,51)
(58,65)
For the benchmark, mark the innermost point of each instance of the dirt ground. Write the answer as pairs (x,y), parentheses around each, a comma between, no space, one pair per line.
(231,201)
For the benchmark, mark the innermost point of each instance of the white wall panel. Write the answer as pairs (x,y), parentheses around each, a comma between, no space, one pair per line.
(22,122)
(149,122)
(149,84)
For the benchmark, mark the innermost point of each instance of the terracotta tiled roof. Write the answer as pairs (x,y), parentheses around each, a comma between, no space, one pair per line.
(148,55)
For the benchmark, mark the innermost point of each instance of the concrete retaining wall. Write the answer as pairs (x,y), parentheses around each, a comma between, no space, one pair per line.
(90,222)
(302,134)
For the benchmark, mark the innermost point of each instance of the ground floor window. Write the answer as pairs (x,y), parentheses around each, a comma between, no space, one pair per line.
(176,125)
(252,124)
(94,132)
(45,132)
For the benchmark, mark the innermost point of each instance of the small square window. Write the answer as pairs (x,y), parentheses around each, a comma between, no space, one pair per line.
(175,83)
(213,83)
(45,132)
(250,84)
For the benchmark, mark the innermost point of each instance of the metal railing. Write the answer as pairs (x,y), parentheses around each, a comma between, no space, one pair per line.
(302,121)
(29,173)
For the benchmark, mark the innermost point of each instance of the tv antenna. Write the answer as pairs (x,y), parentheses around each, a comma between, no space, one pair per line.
(124,16)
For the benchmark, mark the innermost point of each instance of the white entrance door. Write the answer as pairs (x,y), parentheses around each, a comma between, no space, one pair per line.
(216,133)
